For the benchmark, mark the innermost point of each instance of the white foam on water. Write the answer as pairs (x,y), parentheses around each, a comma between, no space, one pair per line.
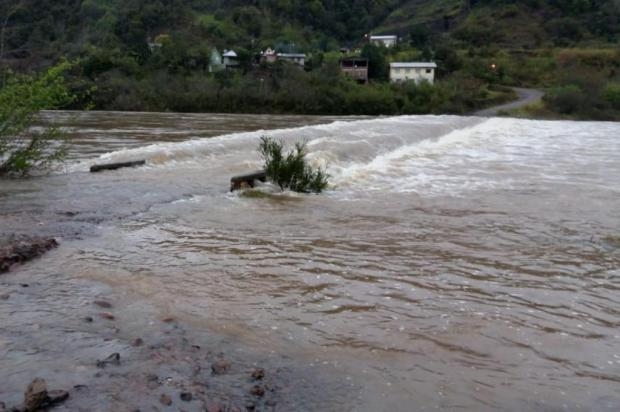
(344,138)
(430,155)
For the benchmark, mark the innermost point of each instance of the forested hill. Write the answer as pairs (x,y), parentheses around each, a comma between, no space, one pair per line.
(36,30)
(158,54)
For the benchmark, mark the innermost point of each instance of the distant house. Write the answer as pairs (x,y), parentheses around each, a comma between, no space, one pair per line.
(386,41)
(230,59)
(158,42)
(356,68)
(154,46)
(413,71)
(270,56)
(295,58)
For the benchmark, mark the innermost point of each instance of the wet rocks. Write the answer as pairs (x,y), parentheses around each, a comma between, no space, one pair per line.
(213,406)
(152,381)
(258,374)
(258,391)
(107,315)
(220,367)
(250,406)
(20,251)
(165,399)
(186,396)
(57,396)
(113,359)
(38,397)
(103,304)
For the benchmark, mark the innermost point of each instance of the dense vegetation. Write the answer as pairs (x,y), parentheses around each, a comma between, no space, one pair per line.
(291,171)
(22,97)
(567,46)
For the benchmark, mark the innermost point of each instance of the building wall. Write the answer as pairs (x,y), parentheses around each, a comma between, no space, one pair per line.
(228,62)
(383,42)
(400,74)
(359,74)
(300,61)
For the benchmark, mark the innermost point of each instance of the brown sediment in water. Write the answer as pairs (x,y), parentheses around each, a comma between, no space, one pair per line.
(113,369)
(459,264)
(132,356)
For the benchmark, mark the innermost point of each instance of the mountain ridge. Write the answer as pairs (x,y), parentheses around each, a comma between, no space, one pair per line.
(42,29)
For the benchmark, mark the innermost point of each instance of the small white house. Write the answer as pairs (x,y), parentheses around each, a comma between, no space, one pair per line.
(412,71)
(386,41)
(230,59)
(154,46)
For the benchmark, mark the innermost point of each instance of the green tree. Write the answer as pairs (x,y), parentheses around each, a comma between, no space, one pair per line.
(378,67)
(611,93)
(21,99)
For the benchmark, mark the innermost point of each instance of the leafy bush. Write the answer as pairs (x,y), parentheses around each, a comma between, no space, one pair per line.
(611,93)
(565,99)
(291,171)
(21,99)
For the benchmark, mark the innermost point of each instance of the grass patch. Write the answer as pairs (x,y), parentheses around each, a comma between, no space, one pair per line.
(536,110)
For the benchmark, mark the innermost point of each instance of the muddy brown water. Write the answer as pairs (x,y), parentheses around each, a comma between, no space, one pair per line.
(457,263)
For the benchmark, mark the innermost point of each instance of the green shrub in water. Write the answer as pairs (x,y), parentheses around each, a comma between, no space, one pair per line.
(291,171)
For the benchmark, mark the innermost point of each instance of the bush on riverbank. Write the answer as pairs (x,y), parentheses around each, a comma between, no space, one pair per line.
(291,171)
(587,85)
(21,99)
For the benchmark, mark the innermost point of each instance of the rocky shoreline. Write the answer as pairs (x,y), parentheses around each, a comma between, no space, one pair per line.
(167,368)
(18,250)
(107,350)
(164,370)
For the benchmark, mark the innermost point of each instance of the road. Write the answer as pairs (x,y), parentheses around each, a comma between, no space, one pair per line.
(526,96)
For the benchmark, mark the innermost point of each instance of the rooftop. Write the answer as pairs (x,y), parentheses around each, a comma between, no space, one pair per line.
(291,55)
(383,37)
(421,65)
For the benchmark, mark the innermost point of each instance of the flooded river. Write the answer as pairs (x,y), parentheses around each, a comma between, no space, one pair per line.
(457,263)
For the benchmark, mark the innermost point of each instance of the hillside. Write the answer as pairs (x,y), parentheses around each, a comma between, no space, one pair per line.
(514,24)
(111,40)
(40,29)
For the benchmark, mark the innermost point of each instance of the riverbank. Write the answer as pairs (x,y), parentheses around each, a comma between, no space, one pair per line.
(16,250)
(114,351)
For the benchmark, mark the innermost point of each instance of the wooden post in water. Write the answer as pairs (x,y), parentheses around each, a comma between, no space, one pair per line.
(114,166)
(237,182)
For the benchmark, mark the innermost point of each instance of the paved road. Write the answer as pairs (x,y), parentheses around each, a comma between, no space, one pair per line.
(526,96)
